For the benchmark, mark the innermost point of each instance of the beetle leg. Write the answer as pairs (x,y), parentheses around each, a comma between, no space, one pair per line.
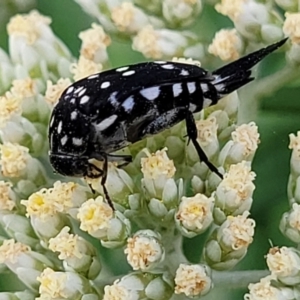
(103,180)
(192,134)
(123,160)
(103,175)
(164,121)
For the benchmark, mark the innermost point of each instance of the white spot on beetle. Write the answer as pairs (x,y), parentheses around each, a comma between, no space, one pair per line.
(79,89)
(74,115)
(52,121)
(77,141)
(113,100)
(150,93)
(192,107)
(128,73)
(128,104)
(204,87)
(84,99)
(70,90)
(177,89)
(106,122)
(220,87)
(64,139)
(191,87)
(122,69)
(81,93)
(184,72)
(72,100)
(168,67)
(59,127)
(206,102)
(93,76)
(105,84)
(159,62)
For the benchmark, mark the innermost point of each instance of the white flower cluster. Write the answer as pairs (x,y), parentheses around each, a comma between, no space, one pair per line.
(55,230)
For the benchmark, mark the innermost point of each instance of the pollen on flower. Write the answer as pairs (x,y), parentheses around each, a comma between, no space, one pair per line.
(192,280)
(54,91)
(146,42)
(66,244)
(23,87)
(93,40)
(195,212)
(13,160)
(10,105)
(263,290)
(157,164)
(207,130)
(40,205)
(6,203)
(230,8)
(143,251)
(294,216)
(189,61)
(226,44)
(115,291)
(53,284)
(291,27)
(248,136)
(26,26)
(84,67)
(283,261)
(239,178)
(123,15)
(61,195)
(295,144)
(94,215)
(10,250)
(238,231)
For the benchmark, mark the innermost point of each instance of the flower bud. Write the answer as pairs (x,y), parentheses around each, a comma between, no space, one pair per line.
(26,264)
(289,223)
(284,263)
(194,215)
(144,250)
(228,244)
(164,43)
(138,285)
(99,220)
(32,40)
(234,194)
(268,286)
(62,285)
(193,280)
(180,13)
(76,253)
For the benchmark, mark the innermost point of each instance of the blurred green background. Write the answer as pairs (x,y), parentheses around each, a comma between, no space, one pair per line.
(278,116)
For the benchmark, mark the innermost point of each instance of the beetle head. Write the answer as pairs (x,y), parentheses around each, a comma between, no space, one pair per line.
(69,165)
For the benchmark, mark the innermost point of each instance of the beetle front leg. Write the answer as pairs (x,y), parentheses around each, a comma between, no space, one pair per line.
(192,134)
(103,175)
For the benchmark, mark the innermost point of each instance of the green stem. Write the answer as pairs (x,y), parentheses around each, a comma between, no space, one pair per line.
(264,87)
(237,279)
(174,254)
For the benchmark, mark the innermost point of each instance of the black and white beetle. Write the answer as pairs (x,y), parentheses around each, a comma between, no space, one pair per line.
(105,112)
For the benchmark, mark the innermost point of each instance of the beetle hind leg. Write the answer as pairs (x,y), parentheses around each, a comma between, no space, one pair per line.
(192,136)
